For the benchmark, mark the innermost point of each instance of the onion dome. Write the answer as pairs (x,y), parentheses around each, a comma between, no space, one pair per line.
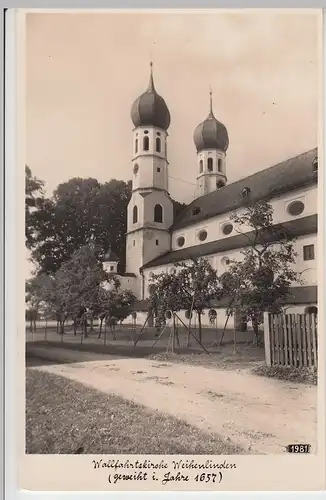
(150,108)
(110,256)
(211,134)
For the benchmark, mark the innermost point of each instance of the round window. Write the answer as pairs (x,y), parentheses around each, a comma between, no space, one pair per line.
(180,241)
(227,229)
(202,235)
(296,208)
(136,168)
(145,131)
(225,261)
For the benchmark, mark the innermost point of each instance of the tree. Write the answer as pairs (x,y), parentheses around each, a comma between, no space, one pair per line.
(31,315)
(190,287)
(177,208)
(114,305)
(165,295)
(79,281)
(200,284)
(261,280)
(34,196)
(73,291)
(79,210)
(44,295)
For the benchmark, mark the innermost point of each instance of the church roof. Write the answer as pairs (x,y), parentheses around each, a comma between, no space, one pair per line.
(110,256)
(294,228)
(281,178)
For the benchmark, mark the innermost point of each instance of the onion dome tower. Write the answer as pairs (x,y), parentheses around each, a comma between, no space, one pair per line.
(150,109)
(212,141)
(150,210)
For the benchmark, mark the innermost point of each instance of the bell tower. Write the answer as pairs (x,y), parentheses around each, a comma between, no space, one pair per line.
(150,210)
(211,141)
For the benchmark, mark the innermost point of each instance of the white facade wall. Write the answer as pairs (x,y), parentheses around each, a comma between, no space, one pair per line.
(219,262)
(214,226)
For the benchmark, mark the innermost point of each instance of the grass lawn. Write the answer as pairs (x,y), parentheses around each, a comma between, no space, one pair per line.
(63,416)
(307,376)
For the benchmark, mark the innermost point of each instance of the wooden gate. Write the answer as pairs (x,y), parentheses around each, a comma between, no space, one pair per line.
(291,340)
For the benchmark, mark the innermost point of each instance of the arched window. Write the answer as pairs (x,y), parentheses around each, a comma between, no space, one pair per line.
(311,310)
(136,146)
(219,165)
(158,213)
(146,143)
(219,184)
(158,144)
(201,167)
(135,214)
(210,164)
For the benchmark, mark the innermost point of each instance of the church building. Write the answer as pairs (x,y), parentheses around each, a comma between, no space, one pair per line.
(156,242)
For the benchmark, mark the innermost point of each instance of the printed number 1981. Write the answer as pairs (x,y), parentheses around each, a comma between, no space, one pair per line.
(298,448)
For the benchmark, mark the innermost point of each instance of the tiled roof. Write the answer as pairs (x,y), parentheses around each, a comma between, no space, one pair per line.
(294,228)
(110,256)
(283,177)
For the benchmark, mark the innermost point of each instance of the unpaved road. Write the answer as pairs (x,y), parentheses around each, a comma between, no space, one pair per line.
(261,415)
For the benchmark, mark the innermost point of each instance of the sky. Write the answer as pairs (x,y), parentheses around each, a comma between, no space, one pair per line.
(84,70)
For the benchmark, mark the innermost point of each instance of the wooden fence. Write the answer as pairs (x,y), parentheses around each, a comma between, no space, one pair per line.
(291,339)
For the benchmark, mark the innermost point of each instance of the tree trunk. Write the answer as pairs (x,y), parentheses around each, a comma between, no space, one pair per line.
(100,332)
(255,326)
(31,326)
(46,328)
(173,333)
(199,327)
(75,328)
(105,331)
(58,327)
(234,340)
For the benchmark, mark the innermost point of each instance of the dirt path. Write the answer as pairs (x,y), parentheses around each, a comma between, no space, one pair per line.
(259,414)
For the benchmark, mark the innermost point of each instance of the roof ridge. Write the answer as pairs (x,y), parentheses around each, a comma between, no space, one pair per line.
(257,173)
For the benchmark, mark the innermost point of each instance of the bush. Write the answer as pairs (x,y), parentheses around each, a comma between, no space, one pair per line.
(290,373)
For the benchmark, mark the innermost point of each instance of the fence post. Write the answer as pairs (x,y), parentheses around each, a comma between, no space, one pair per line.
(267,341)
